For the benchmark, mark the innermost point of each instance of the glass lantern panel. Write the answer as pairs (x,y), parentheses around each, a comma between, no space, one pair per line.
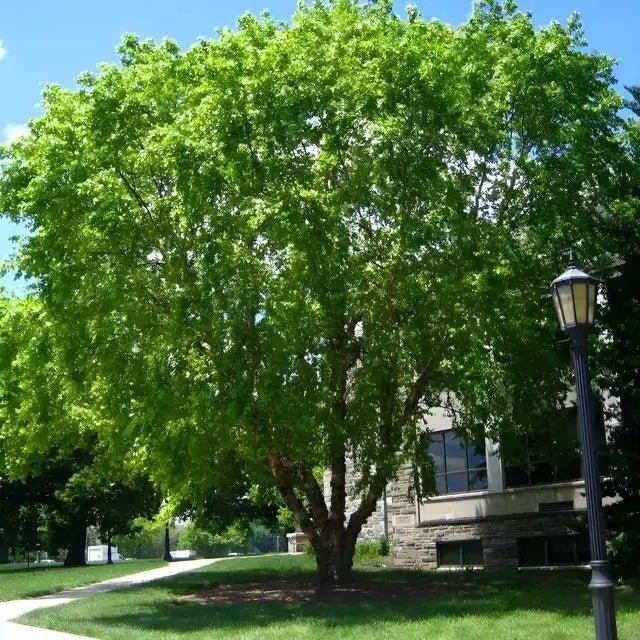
(556,304)
(592,301)
(581,302)
(565,301)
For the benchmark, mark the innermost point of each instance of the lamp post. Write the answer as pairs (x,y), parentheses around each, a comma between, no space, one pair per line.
(574,297)
(167,548)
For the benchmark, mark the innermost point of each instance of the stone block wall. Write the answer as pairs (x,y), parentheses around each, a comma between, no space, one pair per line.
(416,546)
(399,501)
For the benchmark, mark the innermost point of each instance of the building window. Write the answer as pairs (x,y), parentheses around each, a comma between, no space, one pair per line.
(549,454)
(543,551)
(465,553)
(459,466)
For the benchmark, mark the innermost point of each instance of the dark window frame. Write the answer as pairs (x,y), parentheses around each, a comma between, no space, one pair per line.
(467,471)
(541,463)
(580,550)
(558,468)
(460,544)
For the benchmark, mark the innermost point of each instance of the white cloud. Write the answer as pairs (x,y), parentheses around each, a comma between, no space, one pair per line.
(3,51)
(12,132)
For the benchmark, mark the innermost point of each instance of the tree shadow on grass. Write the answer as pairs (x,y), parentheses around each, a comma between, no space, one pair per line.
(31,570)
(492,595)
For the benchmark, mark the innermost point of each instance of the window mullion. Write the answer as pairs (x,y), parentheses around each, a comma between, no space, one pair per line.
(444,461)
(466,462)
(444,451)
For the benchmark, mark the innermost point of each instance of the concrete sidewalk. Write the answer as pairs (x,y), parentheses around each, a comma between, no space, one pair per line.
(16,608)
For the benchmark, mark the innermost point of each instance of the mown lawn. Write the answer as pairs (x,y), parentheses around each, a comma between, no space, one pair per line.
(513,606)
(16,581)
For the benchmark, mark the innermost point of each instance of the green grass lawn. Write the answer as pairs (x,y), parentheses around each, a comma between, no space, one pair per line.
(16,581)
(526,605)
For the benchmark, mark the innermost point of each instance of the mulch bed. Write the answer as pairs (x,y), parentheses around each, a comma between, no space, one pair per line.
(305,591)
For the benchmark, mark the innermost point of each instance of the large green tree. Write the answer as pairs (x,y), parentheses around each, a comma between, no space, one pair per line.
(291,241)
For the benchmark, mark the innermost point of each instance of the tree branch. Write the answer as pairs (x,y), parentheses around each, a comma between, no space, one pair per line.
(133,191)
(338,485)
(416,394)
(284,482)
(317,504)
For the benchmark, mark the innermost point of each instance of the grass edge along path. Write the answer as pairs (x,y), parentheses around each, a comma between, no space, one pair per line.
(443,606)
(19,583)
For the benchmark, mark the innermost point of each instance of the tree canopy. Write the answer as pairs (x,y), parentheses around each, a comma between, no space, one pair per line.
(618,360)
(283,246)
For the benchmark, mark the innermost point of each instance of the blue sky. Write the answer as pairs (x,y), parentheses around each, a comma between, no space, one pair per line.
(43,42)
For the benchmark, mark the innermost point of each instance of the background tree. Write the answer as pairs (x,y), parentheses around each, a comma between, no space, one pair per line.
(117,505)
(13,496)
(619,357)
(55,468)
(291,241)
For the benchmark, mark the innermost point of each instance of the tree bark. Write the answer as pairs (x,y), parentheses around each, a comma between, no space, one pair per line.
(333,544)
(342,562)
(4,552)
(334,568)
(77,544)
(285,480)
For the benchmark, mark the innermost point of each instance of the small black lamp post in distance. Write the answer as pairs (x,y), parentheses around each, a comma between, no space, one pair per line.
(167,547)
(109,558)
(574,297)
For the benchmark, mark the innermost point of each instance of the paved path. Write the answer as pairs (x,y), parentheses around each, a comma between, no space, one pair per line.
(16,608)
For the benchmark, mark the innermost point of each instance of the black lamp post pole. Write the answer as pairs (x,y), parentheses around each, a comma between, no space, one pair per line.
(109,558)
(167,548)
(601,584)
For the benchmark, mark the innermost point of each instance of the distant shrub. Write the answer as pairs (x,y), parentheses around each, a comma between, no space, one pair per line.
(625,554)
(146,540)
(367,550)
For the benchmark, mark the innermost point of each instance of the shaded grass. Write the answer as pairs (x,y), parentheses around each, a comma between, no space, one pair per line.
(16,581)
(13,566)
(517,606)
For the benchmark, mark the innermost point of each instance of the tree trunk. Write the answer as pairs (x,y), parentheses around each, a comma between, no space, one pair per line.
(333,544)
(334,557)
(77,544)
(4,552)
(325,574)
(345,575)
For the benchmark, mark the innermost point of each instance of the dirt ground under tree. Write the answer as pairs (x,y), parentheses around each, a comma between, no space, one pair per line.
(305,591)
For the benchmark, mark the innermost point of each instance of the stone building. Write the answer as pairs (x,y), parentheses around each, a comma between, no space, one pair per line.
(489,511)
